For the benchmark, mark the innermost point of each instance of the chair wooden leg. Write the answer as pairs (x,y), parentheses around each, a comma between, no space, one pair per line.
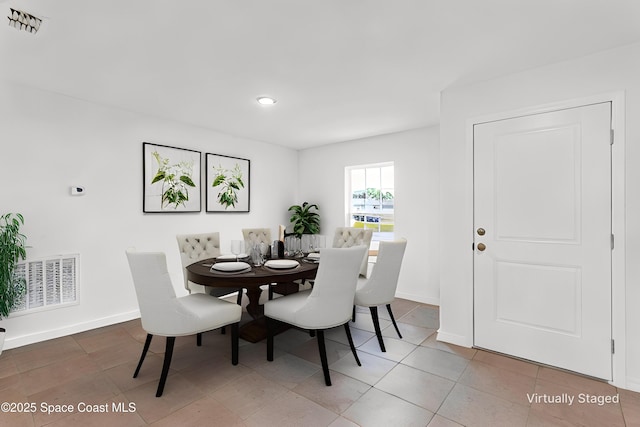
(353,347)
(270,332)
(147,342)
(199,339)
(376,325)
(168,352)
(393,320)
(234,343)
(323,356)
(353,314)
(240,294)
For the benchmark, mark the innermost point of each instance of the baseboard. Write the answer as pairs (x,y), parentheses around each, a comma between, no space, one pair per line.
(633,384)
(456,339)
(69,330)
(419,298)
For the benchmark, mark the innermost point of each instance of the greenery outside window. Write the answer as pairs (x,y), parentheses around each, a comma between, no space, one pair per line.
(370,190)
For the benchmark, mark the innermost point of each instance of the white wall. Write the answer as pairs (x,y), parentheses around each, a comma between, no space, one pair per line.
(51,142)
(415,156)
(607,72)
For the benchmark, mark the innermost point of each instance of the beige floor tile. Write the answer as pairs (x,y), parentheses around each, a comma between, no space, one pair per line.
(91,390)
(122,375)
(203,412)
(439,421)
(203,387)
(507,363)
(248,394)
(471,407)
(344,391)
(372,370)
(399,307)
(14,417)
(288,370)
(109,337)
(432,342)
(342,422)
(365,322)
(54,351)
(308,350)
(377,408)
(115,355)
(292,410)
(396,349)
(437,362)
(178,393)
(415,386)
(213,374)
(39,379)
(630,403)
(410,333)
(7,365)
(575,381)
(573,405)
(359,336)
(424,316)
(500,382)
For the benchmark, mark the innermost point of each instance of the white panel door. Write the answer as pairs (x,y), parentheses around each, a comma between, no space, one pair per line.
(542,238)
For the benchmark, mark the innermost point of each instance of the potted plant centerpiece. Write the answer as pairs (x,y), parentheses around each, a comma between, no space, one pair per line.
(306,221)
(12,250)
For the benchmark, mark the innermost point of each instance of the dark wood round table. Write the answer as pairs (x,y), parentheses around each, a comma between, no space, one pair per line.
(201,273)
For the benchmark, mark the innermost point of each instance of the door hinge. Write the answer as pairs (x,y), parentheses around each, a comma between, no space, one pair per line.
(611,139)
(473,246)
(613,242)
(613,346)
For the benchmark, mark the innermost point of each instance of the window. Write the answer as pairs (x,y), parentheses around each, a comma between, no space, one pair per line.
(370,190)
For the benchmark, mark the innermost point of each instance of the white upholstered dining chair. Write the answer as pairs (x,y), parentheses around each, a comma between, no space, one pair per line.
(380,288)
(346,237)
(325,306)
(164,314)
(196,247)
(256,235)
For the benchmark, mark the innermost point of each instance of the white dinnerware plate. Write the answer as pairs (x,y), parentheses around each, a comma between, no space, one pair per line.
(231,267)
(314,255)
(281,264)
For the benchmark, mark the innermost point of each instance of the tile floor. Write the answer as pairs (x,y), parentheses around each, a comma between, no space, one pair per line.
(417,382)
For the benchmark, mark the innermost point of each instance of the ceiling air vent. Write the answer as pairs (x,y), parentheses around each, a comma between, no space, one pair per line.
(24,21)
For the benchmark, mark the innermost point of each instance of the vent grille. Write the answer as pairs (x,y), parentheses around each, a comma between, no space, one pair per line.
(50,283)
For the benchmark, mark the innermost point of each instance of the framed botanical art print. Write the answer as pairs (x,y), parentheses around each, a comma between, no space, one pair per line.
(228,180)
(171,179)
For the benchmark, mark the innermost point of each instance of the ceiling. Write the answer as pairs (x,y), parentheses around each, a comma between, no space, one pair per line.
(340,69)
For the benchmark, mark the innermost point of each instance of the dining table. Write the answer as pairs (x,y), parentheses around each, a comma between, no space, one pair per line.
(283,280)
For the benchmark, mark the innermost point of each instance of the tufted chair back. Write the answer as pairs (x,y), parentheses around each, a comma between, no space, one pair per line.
(256,235)
(196,247)
(347,237)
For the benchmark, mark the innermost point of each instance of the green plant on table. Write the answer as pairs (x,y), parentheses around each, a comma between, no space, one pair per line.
(230,182)
(304,219)
(176,180)
(12,250)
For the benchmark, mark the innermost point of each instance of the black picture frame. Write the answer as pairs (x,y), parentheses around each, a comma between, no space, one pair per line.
(228,182)
(171,179)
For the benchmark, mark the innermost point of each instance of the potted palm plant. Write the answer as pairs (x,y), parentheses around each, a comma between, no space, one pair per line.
(12,250)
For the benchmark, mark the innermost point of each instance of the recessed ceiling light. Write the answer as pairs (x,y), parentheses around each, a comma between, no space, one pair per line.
(265,100)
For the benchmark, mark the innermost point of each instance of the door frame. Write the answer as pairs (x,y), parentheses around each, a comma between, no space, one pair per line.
(618,254)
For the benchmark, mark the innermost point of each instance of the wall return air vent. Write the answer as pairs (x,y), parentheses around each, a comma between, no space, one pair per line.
(51,282)
(24,21)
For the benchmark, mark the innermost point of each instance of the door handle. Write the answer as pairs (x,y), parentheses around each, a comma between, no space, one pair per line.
(482,247)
